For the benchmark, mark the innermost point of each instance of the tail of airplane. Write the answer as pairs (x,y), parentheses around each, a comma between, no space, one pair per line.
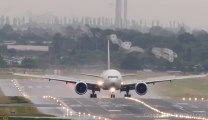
(108,62)
(108,54)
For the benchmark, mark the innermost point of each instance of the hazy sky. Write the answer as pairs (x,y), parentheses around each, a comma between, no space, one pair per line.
(191,12)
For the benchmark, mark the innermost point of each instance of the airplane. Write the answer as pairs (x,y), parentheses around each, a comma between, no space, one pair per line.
(111,80)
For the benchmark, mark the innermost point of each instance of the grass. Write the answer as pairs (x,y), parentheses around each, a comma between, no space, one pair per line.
(179,88)
(20,111)
(17,111)
(16,118)
(18,99)
(9,75)
(184,88)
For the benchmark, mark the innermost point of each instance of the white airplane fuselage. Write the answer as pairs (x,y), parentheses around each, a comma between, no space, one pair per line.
(111,79)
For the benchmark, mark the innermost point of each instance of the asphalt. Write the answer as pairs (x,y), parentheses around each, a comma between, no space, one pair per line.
(116,109)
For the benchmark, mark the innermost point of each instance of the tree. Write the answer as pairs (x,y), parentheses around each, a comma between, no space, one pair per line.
(3,64)
(29,63)
(130,62)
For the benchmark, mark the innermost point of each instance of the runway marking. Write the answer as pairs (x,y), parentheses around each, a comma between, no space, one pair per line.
(78,101)
(165,114)
(87,105)
(30,87)
(105,105)
(194,106)
(114,110)
(70,112)
(182,103)
(122,105)
(199,111)
(102,102)
(75,105)
(179,107)
(47,87)
(39,87)
(111,103)
(162,119)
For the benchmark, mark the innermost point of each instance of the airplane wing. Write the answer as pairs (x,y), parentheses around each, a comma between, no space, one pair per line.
(128,75)
(131,83)
(90,84)
(97,76)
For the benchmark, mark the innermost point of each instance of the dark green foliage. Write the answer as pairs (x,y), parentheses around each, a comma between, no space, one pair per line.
(73,47)
(29,118)
(29,63)
(3,64)
(17,99)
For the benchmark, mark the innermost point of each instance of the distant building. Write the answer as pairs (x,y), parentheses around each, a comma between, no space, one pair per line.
(29,48)
(13,60)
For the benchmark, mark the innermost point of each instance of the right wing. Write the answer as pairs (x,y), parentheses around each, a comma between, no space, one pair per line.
(130,84)
(91,85)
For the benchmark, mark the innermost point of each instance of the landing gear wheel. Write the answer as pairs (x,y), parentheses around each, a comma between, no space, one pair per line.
(93,95)
(113,96)
(127,95)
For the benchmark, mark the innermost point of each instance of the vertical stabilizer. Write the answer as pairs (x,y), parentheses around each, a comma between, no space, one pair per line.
(108,54)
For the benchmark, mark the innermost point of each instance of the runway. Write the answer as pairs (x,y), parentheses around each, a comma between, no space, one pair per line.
(115,109)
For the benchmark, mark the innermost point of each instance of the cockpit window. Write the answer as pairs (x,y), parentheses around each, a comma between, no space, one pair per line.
(112,76)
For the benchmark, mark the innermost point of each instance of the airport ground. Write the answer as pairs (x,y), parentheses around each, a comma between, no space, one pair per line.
(165,97)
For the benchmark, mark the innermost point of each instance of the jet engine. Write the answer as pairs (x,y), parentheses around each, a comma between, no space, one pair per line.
(81,88)
(141,88)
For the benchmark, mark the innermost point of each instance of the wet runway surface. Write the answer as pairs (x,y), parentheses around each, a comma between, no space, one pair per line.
(116,109)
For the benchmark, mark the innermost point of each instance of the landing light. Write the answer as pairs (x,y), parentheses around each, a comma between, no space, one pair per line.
(112,90)
(122,83)
(100,83)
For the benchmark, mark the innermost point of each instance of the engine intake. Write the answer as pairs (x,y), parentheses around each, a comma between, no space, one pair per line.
(141,88)
(81,88)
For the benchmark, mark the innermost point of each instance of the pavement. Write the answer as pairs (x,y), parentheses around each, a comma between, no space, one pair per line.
(64,102)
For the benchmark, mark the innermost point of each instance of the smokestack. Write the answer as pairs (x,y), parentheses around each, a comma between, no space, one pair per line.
(125,12)
(118,16)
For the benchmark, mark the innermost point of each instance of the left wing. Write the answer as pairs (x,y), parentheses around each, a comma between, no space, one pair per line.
(91,75)
(131,83)
(91,85)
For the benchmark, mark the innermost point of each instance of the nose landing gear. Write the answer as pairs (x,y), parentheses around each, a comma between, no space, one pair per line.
(113,95)
(112,90)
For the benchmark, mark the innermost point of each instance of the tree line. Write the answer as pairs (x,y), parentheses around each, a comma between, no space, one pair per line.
(73,46)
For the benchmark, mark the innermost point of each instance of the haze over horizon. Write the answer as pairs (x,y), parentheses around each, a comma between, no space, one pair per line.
(191,12)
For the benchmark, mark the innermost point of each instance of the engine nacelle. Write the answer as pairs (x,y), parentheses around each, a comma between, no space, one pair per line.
(141,88)
(81,88)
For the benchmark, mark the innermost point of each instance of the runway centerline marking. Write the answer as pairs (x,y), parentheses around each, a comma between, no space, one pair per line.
(182,103)
(114,110)
(194,106)
(199,111)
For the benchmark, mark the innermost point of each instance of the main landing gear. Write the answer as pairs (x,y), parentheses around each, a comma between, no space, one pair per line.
(127,94)
(93,95)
